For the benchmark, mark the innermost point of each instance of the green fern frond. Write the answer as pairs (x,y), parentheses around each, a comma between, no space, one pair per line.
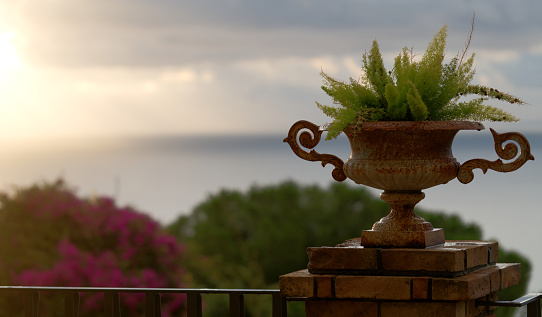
(415,89)
(376,74)
(396,109)
(340,123)
(428,76)
(492,93)
(417,107)
(476,110)
(465,71)
(332,112)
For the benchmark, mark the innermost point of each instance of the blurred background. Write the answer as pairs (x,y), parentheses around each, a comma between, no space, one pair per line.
(161,103)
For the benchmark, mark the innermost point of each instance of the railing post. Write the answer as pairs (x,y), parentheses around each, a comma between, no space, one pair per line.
(533,308)
(279,306)
(31,304)
(237,305)
(71,304)
(153,306)
(112,304)
(194,305)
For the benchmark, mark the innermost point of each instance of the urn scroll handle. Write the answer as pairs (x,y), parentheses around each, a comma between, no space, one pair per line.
(310,141)
(507,152)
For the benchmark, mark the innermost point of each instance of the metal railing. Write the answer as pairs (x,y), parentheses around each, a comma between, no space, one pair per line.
(153,308)
(532,301)
(194,306)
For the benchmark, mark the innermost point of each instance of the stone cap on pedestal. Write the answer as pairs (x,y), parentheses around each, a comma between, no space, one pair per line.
(452,259)
(472,286)
(446,280)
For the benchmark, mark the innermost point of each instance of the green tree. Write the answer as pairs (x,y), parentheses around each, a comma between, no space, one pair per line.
(248,239)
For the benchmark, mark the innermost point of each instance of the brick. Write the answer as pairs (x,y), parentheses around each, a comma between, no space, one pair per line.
(324,286)
(491,247)
(494,277)
(475,255)
(342,258)
(343,308)
(510,274)
(420,288)
(441,260)
(422,309)
(373,287)
(471,286)
(297,284)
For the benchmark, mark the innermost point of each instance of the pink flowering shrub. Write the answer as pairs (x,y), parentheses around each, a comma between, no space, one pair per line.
(51,237)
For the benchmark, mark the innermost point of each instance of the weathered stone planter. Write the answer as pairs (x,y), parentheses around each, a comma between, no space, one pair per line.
(391,271)
(403,158)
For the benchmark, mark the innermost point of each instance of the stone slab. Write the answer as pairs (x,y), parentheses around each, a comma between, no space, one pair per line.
(342,258)
(472,286)
(452,259)
(477,284)
(449,260)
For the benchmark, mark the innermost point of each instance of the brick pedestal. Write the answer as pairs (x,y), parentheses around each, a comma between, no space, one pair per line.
(350,280)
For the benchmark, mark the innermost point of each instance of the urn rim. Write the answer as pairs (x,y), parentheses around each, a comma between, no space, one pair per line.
(414,125)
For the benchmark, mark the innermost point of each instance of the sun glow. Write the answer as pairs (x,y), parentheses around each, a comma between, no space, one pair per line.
(8,56)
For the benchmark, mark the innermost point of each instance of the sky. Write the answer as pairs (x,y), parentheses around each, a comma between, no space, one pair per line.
(162,67)
(141,68)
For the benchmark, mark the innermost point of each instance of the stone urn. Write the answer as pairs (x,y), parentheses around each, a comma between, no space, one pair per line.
(402,158)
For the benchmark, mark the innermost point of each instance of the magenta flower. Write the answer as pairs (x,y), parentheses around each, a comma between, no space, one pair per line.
(93,243)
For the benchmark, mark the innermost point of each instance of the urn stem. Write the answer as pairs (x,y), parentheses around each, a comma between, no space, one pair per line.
(402,216)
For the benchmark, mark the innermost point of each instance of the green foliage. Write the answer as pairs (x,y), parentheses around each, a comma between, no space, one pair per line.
(251,225)
(248,239)
(415,90)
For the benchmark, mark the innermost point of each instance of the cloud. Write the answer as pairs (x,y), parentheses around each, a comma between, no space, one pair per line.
(237,66)
(159,33)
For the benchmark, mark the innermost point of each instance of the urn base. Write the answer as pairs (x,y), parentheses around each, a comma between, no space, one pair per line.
(402,239)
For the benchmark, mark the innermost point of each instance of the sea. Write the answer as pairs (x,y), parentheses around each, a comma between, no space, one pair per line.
(167,176)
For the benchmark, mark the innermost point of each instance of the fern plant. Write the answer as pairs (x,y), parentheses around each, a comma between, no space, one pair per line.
(414,90)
